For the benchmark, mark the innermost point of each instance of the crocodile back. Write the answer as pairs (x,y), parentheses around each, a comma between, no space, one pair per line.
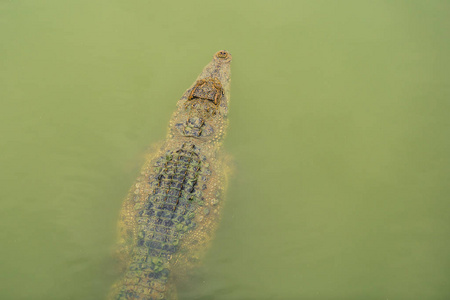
(162,219)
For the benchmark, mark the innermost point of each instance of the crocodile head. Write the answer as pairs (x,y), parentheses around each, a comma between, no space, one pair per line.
(202,111)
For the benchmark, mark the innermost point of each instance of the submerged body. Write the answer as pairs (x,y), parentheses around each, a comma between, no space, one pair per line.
(172,211)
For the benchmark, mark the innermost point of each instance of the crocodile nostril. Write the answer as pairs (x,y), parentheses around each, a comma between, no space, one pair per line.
(222,54)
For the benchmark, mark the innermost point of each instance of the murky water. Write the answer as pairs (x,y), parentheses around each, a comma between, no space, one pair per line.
(339,126)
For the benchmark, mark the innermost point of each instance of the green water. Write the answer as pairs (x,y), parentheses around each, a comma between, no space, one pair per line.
(339,127)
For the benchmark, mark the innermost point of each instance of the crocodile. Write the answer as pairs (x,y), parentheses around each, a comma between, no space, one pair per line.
(172,211)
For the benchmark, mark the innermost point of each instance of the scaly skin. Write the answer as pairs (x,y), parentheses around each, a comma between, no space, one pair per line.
(171,213)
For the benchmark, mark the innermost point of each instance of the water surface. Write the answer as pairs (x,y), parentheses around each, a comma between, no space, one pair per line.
(339,130)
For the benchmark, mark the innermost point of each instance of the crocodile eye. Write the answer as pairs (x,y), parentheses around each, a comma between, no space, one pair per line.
(217,84)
